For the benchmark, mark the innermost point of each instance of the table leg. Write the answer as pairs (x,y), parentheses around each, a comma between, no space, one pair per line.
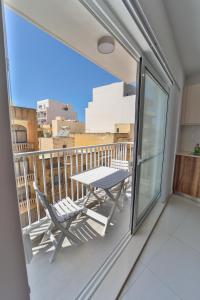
(115,201)
(95,195)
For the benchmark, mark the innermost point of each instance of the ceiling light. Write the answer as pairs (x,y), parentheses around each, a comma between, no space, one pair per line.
(106,44)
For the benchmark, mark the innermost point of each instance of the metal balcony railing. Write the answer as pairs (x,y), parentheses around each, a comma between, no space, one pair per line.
(52,170)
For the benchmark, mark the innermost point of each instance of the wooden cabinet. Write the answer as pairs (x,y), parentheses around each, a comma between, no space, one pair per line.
(187,175)
(191,104)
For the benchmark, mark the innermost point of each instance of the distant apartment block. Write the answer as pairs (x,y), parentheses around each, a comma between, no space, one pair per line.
(48,110)
(111,104)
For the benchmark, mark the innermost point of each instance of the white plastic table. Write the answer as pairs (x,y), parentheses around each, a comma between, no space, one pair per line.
(103,178)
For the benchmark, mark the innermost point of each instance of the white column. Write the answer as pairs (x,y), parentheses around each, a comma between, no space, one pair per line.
(13,277)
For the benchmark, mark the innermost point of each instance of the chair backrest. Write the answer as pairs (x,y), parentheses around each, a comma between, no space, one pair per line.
(41,196)
(119,164)
(45,203)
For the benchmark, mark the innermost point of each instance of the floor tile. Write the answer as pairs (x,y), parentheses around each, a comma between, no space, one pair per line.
(148,287)
(188,232)
(138,269)
(174,214)
(178,265)
(158,239)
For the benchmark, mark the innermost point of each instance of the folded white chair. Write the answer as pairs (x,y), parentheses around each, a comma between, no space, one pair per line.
(62,214)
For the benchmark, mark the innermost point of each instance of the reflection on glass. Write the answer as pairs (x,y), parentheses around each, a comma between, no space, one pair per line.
(150,179)
(154,120)
(153,136)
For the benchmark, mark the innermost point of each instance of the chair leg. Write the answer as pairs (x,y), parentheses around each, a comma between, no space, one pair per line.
(57,247)
(47,233)
(64,233)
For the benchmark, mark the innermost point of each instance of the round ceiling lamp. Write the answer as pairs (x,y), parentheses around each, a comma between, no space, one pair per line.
(106,44)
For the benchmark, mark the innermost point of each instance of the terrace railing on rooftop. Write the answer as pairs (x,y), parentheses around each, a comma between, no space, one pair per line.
(52,170)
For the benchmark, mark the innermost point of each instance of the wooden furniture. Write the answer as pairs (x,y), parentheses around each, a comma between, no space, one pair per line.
(191,105)
(187,175)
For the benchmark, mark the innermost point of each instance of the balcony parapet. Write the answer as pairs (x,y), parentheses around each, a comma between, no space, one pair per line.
(25,206)
(22,147)
(20,180)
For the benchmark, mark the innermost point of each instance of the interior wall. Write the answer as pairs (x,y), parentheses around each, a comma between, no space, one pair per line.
(190,129)
(13,278)
(171,141)
(157,17)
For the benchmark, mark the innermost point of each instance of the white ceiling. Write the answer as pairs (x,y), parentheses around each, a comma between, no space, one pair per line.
(184,16)
(72,24)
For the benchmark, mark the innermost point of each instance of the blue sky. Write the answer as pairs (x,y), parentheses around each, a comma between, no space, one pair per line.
(41,67)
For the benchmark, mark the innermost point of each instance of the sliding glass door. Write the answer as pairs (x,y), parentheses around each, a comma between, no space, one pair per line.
(151,143)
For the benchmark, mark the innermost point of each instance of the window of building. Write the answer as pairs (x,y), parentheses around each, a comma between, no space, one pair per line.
(21,193)
(19,134)
(19,167)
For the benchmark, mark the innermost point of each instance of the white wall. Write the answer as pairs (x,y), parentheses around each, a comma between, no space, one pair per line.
(172,134)
(190,132)
(157,16)
(108,108)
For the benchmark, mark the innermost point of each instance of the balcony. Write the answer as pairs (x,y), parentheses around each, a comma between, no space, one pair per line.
(20,180)
(52,171)
(23,205)
(22,147)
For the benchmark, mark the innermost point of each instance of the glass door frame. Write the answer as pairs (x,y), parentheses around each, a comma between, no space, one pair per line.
(144,66)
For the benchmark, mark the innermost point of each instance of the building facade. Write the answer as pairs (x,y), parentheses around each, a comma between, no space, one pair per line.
(24,137)
(88,139)
(62,127)
(48,110)
(111,104)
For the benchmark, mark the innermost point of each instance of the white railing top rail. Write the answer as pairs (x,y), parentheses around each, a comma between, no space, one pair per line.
(64,150)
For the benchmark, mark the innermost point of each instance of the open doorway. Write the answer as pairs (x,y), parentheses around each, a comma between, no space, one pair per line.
(93,128)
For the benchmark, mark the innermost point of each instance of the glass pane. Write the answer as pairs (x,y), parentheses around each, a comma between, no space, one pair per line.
(150,182)
(154,119)
(89,127)
(153,137)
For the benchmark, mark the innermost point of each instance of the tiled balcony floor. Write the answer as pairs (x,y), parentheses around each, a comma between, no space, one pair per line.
(169,267)
(75,265)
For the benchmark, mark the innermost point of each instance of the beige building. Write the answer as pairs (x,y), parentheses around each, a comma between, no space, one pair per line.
(24,128)
(24,136)
(55,143)
(87,139)
(125,128)
(62,127)
(44,130)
